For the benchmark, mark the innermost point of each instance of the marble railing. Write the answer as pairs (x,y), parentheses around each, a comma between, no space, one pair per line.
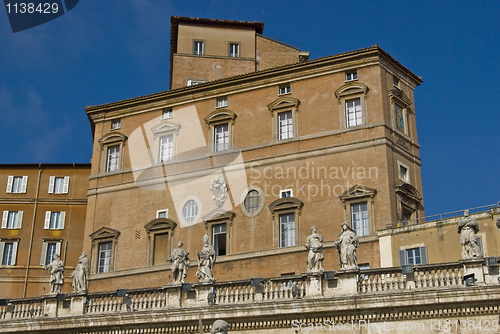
(25,308)
(270,289)
(423,277)
(307,286)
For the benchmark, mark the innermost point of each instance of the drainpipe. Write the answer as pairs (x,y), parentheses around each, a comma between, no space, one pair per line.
(32,230)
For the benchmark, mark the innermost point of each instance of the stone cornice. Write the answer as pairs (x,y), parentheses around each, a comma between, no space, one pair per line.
(44,201)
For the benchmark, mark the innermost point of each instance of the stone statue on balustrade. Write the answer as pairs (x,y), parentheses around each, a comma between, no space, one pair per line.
(467,227)
(346,248)
(206,262)
(219,327)
(315,257)
(80,274)
(56,268)
(180,263)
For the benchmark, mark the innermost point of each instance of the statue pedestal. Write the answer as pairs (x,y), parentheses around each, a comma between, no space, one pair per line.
(77,302)
(347,281)
(199,294)
(173,292)
(50,304)
(474,266)
(314,284)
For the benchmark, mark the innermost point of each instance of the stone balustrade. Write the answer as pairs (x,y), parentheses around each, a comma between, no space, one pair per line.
(306,286)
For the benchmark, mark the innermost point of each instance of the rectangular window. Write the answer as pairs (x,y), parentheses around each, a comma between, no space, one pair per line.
(12,219)
(166,148)
(221,137)
(285,89)
(395,82)
(49,248)
(115,124)
(417,255)
(54,220)
(17,184)
(400,119)
(219,239)
(8,253)
(286,193)
(404,172)
(195,82)
(222,102)
(351,75)
(234,50)
(58,185)
(166,113)
(285,125)
(162,213)
(353,112)
(198,48)
(287,230)
(113,158)
(359,216)
(104,264)
(161,248)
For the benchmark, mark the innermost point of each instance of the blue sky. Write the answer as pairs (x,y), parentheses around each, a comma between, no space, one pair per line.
(105,51)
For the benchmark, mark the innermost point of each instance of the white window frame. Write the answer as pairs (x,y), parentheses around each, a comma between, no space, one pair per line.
(191,82)
(50,225)
(285,89)
(116,124)
(196,218)
(158,212)
(166,113)
(406,178)
(13,256)
(364,220)
(167,154)
(53,180)
(11,182)
(234,49)
(290,240)
(12,224)
(107,264)
(350,91)
(221,137)
(44,259)
(221,102)
(287,124)
(189,213)
(113,156)
(283,191)
(404,255)
(196,48)
(356,109)
(351,75)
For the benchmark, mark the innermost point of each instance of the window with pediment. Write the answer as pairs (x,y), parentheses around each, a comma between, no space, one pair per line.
(112,148)
(160,240)
(352,104)
(104,243)
(401,112)
(221,124)
(358,204)
(286,221)
(218,226)
(284,118)
(165,141)
(408,200)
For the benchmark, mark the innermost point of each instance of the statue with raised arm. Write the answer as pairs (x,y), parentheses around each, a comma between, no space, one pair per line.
(206,262)
(467,227)
(219,327)
(56,268)
(346,248)
(315,257)
(80,274)
(180,263)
